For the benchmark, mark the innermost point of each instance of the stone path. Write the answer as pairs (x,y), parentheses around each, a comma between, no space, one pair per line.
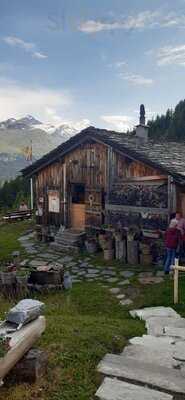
(117,279)
(114,389)
(153,360)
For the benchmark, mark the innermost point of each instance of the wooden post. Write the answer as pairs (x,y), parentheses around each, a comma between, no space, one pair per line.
(177,268)
(65,195)
(31,192)
(176,278)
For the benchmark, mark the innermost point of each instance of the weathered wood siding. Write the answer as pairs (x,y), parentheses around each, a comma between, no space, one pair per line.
(127,168)
(50,178)
(87,164)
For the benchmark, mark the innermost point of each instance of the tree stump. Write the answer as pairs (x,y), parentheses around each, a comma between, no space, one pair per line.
(132,252)
(31,367)
(120,250)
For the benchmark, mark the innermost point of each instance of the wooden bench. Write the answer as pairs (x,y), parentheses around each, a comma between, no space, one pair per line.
(17,216)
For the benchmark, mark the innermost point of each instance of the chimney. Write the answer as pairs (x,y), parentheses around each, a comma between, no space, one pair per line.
(142,129)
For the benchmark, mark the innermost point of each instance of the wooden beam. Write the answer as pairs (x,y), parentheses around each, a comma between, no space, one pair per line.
(116,207)
(145,178)
(109,171)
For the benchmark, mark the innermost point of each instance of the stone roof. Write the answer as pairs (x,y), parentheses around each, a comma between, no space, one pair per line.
(169,157)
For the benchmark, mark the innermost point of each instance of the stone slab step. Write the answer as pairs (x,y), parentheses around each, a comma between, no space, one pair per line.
(163,378)
(67,243)
(149,312)
(149,340)
(155,325)
(114,389)
(70,234)
(158,356)
(176,332)
(63,249)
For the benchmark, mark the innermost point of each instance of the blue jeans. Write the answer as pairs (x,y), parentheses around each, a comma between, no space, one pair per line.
(170,259)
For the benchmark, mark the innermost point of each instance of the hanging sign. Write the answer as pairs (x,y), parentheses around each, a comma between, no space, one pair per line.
(53,201)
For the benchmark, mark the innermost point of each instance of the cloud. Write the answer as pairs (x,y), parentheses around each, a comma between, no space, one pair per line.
(169,55)
(27,46)
(17,100)
(37,54)
(121,123)
(138,80)
(143,20)
(118,64)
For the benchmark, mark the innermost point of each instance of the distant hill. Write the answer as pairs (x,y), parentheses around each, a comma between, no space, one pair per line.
(170,126)
(16,134)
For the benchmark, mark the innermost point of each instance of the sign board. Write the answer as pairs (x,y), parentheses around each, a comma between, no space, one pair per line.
(53,201)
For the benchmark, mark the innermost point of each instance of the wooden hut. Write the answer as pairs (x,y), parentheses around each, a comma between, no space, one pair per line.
(102,177)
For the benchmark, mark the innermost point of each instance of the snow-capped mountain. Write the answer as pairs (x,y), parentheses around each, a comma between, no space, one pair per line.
(22,123)
(16,134)
(63,129)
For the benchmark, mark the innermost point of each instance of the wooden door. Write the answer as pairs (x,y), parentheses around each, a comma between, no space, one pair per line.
(78,216)
(94,200)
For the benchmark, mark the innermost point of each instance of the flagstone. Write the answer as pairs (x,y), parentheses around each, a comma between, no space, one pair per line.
(151,280)
(126,302)
(120,296)
(111,280)
(127,274)
(114,290)
(123,283)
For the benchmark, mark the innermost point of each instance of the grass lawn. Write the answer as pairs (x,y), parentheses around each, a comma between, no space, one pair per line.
(9,234)
(82,326)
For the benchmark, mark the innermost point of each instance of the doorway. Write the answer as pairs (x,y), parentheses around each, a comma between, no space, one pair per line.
(77,208)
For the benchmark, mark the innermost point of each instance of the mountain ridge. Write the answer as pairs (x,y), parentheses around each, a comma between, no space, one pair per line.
(17,134)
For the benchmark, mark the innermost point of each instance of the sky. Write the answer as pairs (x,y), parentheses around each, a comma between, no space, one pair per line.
(91,62)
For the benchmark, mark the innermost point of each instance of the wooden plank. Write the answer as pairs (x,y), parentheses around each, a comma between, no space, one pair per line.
(163,378)
(115,207)
(114,389)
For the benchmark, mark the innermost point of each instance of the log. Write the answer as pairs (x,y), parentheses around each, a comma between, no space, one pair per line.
(132,252)
(21,341)
(120,250)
